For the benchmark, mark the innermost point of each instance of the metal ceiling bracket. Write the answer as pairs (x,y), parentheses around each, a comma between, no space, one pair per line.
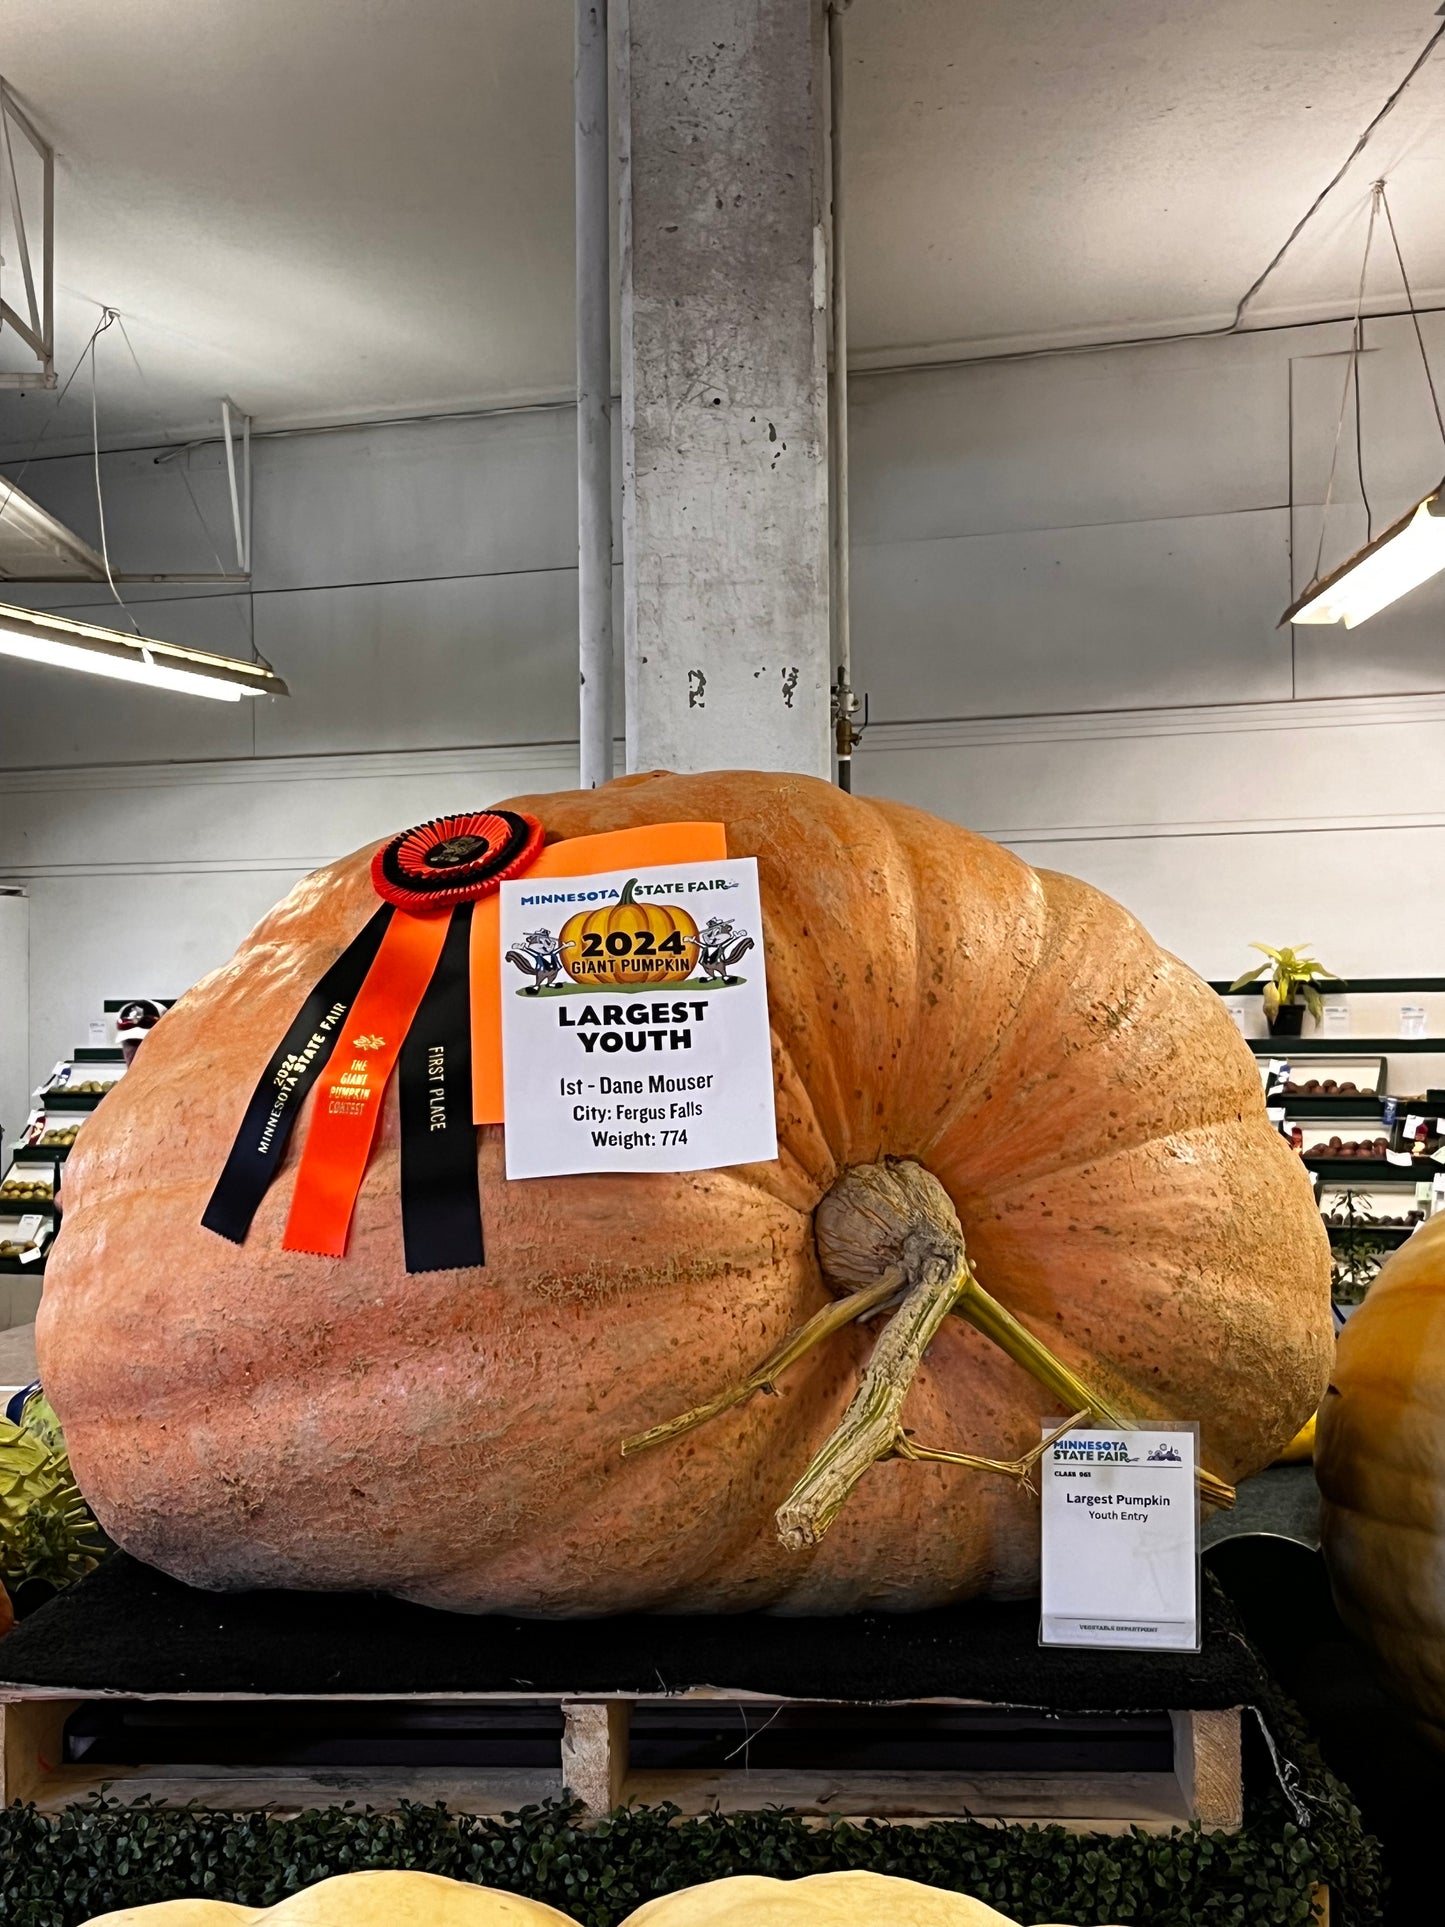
(36,326)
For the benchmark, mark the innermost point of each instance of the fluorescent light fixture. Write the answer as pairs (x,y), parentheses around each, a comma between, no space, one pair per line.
(1408,553)
(60,642)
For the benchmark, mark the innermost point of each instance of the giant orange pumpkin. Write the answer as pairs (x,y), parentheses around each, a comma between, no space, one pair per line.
(253,1417)
(1380,1462)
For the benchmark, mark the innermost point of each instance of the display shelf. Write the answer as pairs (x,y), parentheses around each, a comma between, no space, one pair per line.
(72,1100)
(1292,1047)
(1356,986)
(1373,1170)
(1394,1234)
(1320,1110)
(51,1101)
(29,1207)
(41,1153)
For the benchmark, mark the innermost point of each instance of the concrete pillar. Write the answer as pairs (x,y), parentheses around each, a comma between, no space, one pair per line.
(724,384)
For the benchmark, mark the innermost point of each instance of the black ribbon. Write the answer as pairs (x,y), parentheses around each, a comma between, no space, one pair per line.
(255,1156)
(441,1203)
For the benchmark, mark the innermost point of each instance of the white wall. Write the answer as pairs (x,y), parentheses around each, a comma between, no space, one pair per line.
(1068,574)
(14,1009)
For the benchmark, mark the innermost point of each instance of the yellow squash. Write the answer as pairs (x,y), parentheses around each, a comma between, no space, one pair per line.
(427,1900)
(357,1900)
(1380,1462)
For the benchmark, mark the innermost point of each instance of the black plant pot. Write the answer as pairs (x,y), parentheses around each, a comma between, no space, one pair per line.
(1288,1021)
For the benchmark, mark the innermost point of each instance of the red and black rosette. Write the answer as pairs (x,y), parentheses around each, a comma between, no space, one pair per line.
(397,998)
(455,859)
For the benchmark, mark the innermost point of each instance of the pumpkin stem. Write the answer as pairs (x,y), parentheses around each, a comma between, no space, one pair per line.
(870,1430)
(904,1447)
(837,1313)
(627,890)
(988,1316)
(896,1220)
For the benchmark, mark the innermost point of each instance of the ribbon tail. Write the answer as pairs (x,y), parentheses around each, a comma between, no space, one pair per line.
(348,1105)
(441,1205)
(260,1144)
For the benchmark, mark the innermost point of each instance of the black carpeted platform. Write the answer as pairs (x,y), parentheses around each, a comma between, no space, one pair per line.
(128,1629)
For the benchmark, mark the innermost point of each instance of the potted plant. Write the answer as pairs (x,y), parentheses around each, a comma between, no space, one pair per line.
(1290,989)
(1355,1257)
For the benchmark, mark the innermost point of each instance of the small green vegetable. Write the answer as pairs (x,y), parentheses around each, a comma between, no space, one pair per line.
(46,1530)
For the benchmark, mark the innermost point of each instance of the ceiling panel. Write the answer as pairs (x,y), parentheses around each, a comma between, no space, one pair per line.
(363,207)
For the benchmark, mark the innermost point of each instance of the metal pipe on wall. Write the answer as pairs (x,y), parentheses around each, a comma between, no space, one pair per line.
(845,703)
(592,146)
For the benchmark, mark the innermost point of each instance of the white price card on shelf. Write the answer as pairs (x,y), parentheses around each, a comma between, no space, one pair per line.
(635,1021)
(1121,1538)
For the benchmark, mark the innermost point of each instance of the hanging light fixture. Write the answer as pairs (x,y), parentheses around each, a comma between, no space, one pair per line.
(1408,553)
(60,642)
(1411,550)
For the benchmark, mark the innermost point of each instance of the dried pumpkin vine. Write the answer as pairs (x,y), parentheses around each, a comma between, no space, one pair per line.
(890,1240)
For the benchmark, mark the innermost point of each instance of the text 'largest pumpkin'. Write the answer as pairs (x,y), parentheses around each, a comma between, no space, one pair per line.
(252,1417)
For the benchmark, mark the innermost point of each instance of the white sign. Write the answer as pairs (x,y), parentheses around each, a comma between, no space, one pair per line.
(635,1021)
(1121,1539)
(1337,1019)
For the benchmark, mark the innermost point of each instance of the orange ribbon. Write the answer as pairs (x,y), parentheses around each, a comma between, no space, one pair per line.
(579,856)
(348,1103)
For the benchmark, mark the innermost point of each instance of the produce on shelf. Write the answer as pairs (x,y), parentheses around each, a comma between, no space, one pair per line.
(18,1247)
(1380,1462)
(853,1899)
(28,1191)
(1090,1211)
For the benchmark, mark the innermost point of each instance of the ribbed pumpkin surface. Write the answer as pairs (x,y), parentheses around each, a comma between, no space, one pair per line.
(252,1417)
(1380,1462)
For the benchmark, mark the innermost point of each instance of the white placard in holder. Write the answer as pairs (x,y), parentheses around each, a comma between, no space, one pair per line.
(1120,1516)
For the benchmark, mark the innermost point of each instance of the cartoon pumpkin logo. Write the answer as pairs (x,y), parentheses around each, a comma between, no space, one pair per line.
(629,945)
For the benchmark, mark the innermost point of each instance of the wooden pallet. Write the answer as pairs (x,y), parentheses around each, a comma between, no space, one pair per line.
(593,1762)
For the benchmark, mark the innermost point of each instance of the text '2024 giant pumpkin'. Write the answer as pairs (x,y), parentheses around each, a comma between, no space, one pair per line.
(1069,1095)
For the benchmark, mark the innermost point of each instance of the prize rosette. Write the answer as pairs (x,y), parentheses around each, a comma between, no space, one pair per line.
(398,998)
(455,859)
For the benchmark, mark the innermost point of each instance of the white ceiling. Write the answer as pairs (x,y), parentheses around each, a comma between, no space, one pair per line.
(350,208)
